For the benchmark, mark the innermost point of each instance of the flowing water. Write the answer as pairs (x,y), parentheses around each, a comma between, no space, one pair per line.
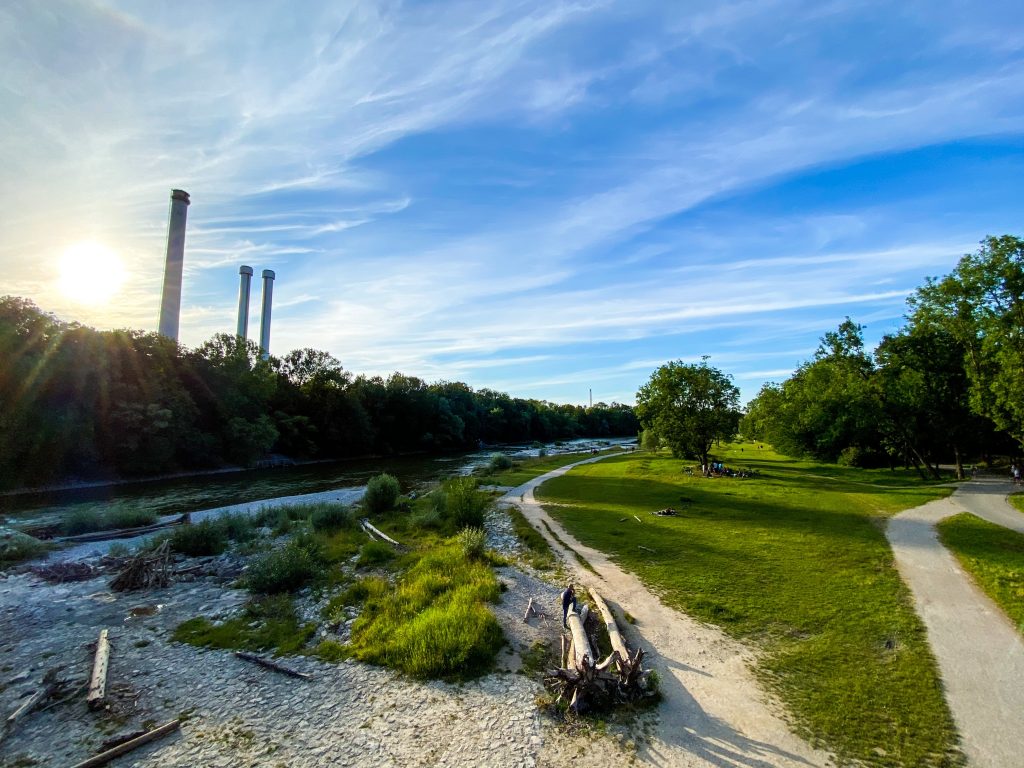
(199,492)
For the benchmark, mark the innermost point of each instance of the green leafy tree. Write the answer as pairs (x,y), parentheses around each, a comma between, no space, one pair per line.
(981,304)
(828,405)
(690,407)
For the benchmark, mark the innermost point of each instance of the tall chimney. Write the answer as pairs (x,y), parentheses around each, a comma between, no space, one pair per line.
(268,295)
(243,300)
(170,305)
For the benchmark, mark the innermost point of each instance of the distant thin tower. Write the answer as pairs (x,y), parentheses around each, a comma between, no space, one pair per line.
(170,304)
(268,297)
(244,288)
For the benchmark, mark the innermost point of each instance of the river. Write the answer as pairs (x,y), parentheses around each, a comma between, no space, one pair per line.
(199,492)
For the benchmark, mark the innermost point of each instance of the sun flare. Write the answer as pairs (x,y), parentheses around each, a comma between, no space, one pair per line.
(90,273)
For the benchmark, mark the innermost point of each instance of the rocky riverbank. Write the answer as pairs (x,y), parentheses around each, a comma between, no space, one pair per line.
(238,714)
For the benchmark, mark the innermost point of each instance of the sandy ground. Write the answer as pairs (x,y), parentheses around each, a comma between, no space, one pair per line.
(714,712)
(980,653)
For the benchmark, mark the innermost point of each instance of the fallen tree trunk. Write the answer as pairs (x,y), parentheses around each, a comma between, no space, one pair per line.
(618,644)
(580,641)
(370,529)
(587,683)
(121,533)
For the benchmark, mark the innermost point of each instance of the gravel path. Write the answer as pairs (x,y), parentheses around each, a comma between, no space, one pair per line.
(714,712)
(980,653)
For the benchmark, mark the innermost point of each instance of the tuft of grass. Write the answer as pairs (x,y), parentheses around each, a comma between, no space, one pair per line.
(375,553)
(16,547)
(473,542)
(331,516)
(795,562)
(381,493)
(993,555)
(267,623)
(89,519)
(208,537)
(539,551)
(434,623)
(286,568)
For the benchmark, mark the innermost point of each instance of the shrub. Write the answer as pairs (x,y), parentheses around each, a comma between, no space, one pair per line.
(464,504)
(284,569)
(16,546)
(199,539)
(473,542)
(499,462)
(542,453)
(238,527)
(374,553)
(128,517)
(82,520)
(331,517)
(381,493)
(851,457)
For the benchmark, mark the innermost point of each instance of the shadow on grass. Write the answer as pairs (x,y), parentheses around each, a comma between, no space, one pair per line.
(694,730)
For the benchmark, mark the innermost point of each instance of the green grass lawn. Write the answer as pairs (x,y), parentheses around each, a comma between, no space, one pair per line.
(1017,501)
(795,561)
(993,555)
(525,470)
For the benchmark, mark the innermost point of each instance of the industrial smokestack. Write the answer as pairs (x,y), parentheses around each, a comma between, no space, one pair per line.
(243,300)
(268,295)
(170,305)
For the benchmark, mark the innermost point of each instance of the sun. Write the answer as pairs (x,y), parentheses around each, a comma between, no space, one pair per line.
(90,273)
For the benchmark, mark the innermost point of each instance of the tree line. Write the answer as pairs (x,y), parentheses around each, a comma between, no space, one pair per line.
(77,403)
(948,386)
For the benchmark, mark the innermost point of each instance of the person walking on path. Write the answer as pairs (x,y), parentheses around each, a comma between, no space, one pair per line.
(568,599)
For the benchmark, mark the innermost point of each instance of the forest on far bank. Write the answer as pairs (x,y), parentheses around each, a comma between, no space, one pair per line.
(77,403)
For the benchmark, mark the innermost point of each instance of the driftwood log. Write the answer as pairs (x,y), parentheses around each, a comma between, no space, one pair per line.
(588,683)
(147,570)
(122,533)
(98,682)
(105,757)
(371,531)
(273,665)
(51,687)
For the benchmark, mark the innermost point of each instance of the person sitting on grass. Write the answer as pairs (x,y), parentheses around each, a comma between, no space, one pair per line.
(568,599)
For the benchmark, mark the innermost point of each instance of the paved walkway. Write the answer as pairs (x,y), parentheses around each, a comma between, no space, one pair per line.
(980,653)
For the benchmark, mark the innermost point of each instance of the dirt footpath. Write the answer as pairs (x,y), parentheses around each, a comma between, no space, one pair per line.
(980,653)
(714,712)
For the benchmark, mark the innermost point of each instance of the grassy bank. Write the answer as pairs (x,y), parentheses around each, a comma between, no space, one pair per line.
(524,470)
(795,561)
(422,607)
(993,555)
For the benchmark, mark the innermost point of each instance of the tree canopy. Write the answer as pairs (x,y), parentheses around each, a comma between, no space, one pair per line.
(76,403)
(689,406)
(949,383)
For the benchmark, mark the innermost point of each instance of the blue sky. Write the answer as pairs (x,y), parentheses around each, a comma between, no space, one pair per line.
(537,197)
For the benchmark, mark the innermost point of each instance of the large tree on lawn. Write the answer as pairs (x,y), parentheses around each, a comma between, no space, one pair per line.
(689,406)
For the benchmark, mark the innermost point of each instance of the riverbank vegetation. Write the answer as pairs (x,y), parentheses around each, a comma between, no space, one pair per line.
(421,607)
(794,561)
(993,555)
(82,404)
